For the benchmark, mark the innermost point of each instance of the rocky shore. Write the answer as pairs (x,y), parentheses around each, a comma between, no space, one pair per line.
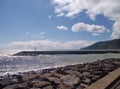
(76,76)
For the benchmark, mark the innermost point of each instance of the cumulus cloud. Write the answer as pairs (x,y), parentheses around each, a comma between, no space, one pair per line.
(116,32)
(61,27)
(94,29)
(92,8)
(44,45)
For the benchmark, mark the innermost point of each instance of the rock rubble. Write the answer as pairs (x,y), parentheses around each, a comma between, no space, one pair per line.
(76,76)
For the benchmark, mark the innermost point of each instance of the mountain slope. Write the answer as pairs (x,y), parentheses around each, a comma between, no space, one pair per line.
(111,44)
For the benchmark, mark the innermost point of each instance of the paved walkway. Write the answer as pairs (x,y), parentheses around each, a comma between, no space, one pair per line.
(104,82)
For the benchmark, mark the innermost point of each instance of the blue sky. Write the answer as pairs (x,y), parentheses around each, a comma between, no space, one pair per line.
(41,21)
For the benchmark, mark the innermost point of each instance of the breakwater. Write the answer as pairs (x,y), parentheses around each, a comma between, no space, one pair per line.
(35,53)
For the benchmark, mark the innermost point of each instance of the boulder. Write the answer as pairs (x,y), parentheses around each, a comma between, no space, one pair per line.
(61,71)
(8,81)
(48,87)
(35,88)
(17,86)
(63,86)
(46,75)
(70,80)
(29,77)
(85,73)
(54,79)
(72,72)
(40,84)
(82,86)
(86,81)
(57,75)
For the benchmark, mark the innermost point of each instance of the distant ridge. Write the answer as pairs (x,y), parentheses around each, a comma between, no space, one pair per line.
(111,44)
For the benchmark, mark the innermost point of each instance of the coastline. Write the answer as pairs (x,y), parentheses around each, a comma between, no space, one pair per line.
(76,76)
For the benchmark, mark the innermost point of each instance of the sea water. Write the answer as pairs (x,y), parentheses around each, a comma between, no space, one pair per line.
(15,64)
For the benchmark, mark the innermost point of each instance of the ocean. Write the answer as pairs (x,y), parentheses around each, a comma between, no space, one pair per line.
(16,64)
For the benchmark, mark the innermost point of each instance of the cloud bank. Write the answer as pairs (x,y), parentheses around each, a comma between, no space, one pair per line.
(92,8)
(44,45)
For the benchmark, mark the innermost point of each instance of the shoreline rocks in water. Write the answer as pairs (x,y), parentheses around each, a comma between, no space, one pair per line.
(76,76)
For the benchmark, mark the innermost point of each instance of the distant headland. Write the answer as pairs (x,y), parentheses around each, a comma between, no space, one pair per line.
(110,44)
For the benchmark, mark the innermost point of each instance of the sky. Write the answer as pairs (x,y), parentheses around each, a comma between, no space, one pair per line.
(57,24)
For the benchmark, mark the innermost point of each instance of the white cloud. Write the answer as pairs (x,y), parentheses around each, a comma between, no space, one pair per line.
(108,8)
(94,29)
(116,32)
(43,45)
(61,14)
(61,27)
